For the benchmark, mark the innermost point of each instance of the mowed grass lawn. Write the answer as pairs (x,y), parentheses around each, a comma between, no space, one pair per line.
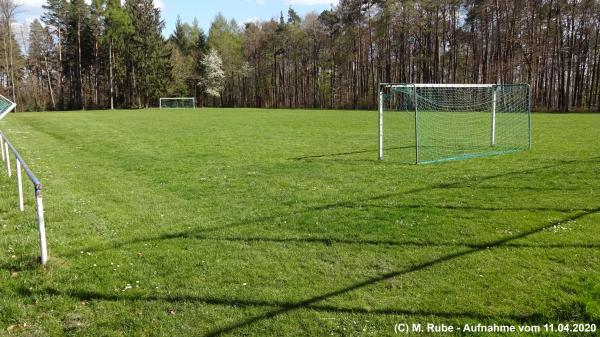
(249,222)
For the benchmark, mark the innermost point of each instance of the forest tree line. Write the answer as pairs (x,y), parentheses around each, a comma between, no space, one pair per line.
(114,54)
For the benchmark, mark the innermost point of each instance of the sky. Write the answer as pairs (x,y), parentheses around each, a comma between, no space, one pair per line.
(203,10)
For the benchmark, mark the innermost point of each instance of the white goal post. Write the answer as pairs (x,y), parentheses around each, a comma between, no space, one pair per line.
(178,103)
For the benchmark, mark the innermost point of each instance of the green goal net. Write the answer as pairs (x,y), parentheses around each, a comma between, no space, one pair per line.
(427,123)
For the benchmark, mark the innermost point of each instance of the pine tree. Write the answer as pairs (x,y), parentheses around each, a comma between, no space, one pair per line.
(149,55)
(116,31)
(39,56)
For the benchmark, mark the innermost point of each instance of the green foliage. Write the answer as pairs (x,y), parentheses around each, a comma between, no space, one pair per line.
(284,223)
(118,24)
(182,72)
(226,38)
(293,17)
(188,38)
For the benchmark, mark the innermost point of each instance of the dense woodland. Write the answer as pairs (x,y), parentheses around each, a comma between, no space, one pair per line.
(114,53)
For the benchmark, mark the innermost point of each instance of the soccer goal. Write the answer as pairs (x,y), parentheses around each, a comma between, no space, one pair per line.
(178,103)
(427,123)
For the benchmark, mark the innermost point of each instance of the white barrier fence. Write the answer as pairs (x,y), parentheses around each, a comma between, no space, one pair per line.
(20,165)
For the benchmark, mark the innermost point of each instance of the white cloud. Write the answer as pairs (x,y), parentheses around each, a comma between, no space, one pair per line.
(251,20)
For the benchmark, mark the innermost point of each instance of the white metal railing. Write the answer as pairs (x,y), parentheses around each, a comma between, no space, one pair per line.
(20,165)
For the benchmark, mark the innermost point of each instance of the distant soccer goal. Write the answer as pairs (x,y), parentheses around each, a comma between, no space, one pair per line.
(428,123)
(178,103)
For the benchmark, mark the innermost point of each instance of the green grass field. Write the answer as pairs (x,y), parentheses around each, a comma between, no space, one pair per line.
(283,223)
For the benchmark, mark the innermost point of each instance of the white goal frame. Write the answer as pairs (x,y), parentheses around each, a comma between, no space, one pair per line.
(193,99)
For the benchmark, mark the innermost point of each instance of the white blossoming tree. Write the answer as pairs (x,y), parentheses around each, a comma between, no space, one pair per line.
(214,76)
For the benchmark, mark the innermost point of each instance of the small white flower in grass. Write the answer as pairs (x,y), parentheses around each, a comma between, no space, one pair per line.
(244,284)
(127,287)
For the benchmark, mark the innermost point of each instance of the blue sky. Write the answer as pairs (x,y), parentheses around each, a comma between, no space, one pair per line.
(205,10)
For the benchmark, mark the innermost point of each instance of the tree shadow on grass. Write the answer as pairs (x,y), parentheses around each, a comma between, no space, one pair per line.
(396,243)
(312,303)
(336,205)
(20,265)
(339,154)
(84,295)
(386,276)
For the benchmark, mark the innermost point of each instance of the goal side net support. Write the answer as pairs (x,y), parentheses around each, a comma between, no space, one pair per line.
(177,103)
(426,123)
(6,106)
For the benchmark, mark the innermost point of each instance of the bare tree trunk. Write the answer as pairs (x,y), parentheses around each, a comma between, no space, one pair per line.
(8,9)
(12,68)
(48,74)
(110,71)
(79,61)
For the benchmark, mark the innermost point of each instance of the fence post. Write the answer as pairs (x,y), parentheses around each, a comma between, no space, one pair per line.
(7,159)
(2,146)
(20,186)
(42,226)
(381,122)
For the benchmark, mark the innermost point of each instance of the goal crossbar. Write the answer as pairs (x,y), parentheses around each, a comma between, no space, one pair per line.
(425,85)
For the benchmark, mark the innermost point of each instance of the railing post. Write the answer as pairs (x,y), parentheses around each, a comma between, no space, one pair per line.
(42,226)
(381,122)
(2,146)
(493,136)
(7,160)
(20,185)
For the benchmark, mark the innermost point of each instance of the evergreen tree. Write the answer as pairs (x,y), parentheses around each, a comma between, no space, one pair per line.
(148,54)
